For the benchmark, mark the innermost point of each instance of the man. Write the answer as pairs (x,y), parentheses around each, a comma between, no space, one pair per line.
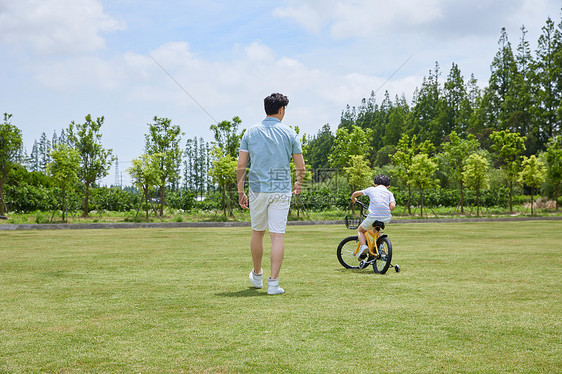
(269,147)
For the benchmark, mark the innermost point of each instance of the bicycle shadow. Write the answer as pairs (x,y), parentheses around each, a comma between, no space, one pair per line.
(357,271)
(249,292)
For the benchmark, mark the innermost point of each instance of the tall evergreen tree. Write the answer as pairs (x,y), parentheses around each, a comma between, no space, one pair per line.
(548,81)
(397,120)
(319,148)
(424,122)
(44,152)
(520,98)
(33,160)
(501,85)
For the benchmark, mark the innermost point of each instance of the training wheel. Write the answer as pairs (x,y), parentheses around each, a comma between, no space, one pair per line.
(397,268)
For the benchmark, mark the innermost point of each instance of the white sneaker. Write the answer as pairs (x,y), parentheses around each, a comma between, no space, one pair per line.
(273,287)
(362,252)
(256,279)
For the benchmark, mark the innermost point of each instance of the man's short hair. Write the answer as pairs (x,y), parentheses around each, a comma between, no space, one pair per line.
(382,179)
(274,102)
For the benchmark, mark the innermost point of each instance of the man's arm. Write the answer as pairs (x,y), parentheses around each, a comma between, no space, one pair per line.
(299,171)
(240,176)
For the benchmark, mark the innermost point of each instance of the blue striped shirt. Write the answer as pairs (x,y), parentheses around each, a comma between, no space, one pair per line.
(379,202)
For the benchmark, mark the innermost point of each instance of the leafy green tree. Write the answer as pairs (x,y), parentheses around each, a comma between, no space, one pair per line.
(226,136)
(164,138)
(64,170)
(553,161)
(10,145)
(456,152)
(348,144)
(507,147)
(476,175)
(95,160)
(358,173)
(532,174)
(422,173)
(223,173)
(145,173)
(403,159)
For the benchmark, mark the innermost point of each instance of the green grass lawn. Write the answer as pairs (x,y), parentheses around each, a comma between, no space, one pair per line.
(471,297)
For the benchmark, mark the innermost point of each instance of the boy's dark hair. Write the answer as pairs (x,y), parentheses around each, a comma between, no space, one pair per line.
(274,102)
(382,179)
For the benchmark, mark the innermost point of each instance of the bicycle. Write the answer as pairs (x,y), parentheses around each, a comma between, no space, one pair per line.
(380,255)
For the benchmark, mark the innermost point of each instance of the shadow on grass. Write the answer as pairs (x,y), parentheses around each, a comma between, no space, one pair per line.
(250,292)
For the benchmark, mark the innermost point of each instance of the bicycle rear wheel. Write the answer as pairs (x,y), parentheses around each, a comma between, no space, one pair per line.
(345,251)
(382,262)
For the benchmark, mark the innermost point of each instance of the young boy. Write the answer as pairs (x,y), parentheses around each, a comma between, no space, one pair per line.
(381,203)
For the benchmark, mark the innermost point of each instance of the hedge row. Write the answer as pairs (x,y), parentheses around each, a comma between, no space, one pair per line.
(28,198)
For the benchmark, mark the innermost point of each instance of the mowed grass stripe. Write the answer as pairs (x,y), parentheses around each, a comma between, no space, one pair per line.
(471,297)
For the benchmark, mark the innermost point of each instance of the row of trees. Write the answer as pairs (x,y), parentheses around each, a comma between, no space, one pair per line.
(523,95)
(452,135)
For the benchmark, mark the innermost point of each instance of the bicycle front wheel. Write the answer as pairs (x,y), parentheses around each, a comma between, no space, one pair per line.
(347,247)
(382,262)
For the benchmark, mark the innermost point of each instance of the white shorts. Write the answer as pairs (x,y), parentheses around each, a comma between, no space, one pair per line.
(269,210)
(367,223)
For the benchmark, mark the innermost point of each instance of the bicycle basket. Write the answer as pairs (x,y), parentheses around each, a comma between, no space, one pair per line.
(352,223)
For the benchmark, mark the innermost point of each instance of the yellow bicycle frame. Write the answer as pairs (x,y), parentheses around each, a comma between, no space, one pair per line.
(372,236)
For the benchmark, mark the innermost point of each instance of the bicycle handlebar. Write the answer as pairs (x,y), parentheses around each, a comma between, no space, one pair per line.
(363,207)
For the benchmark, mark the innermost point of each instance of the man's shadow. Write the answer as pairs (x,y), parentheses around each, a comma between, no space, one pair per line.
(249,292)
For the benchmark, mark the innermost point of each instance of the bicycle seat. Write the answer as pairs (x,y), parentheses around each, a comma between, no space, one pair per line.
(378,224)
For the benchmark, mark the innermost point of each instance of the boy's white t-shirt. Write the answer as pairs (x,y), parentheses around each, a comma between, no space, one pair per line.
(379,200)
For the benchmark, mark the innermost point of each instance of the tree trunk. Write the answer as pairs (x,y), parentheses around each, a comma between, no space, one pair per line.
(2,181)
(64,206)
(532,200)
(162,189)
(87,201)
(557,194)
(477,202)
(510,196)
(421,202)
(224,201)
(462,199)
(146,201)
(409,200)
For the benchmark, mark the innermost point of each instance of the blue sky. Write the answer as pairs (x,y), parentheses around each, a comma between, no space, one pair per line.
(63,59)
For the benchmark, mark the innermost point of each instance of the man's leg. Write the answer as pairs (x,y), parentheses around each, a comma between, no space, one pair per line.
(277,252)
(256,246)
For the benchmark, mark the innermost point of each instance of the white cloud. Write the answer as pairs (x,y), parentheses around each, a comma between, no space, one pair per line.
(437,19)
(55,26)
(360,18)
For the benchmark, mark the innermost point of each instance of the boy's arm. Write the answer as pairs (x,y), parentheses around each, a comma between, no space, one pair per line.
(392,205)
(355,195)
